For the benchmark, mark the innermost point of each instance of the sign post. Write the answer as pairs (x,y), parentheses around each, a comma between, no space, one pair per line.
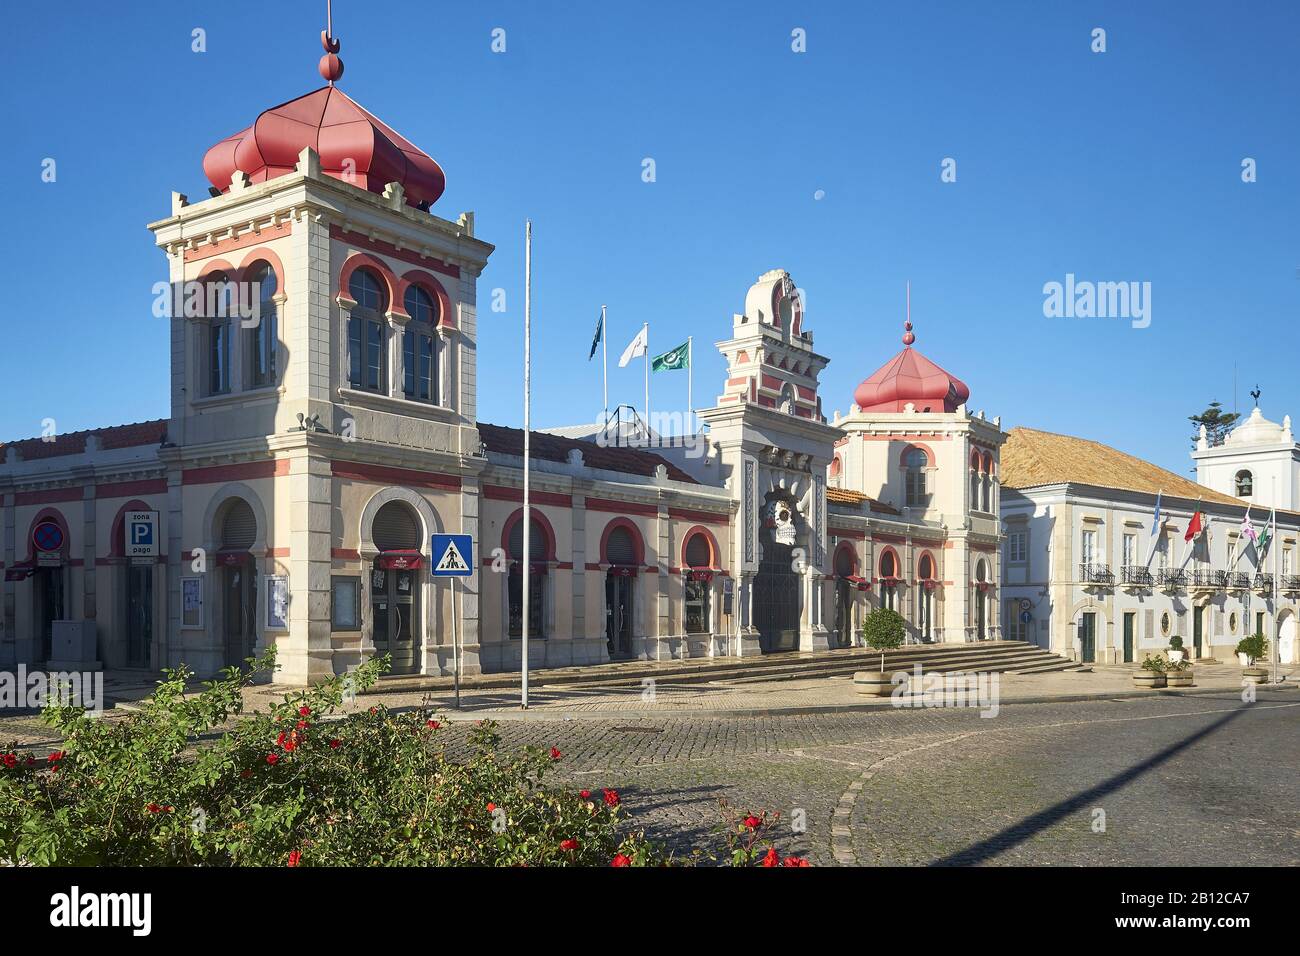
(453,557)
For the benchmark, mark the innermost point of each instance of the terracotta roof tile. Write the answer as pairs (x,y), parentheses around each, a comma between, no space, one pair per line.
(848,496)
(1031,458)
(630,461)
(74,443)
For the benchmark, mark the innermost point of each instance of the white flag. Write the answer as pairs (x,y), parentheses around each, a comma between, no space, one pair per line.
(636,348)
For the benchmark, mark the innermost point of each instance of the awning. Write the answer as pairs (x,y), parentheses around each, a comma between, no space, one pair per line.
(929,584)
(701,574)
(231,558)
(400,560)
(859,582)
(536,567)
(623,570)
(20,572)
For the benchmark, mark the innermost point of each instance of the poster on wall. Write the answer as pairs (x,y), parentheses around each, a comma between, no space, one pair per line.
(277,603)
(191,602)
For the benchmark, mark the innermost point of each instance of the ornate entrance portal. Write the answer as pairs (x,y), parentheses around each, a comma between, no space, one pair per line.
(776,586)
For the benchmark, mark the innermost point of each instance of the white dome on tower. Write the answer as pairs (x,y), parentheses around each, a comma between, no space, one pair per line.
(1258,430)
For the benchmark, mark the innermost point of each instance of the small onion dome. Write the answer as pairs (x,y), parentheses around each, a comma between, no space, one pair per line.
(353,145)
(910,377)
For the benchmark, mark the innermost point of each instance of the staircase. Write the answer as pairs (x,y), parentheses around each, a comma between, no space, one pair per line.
(1009,657)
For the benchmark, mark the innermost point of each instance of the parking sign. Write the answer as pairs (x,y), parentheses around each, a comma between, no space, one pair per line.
(141,530)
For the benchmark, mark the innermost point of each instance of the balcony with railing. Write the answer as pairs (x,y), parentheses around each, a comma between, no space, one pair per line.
(1263,582)
(1098,575)
(1136,576)
(1291,582)
(1205,579)
(1238,580)
(1171,578)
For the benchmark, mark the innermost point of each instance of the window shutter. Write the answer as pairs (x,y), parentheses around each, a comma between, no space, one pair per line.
(395,529)
(239,528)
(536,541)
(620,549)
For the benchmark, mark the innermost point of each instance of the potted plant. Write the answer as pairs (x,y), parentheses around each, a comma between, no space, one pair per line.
(1176,652)
(882,630)
(1151,673)
(1178,673)
(1252,648)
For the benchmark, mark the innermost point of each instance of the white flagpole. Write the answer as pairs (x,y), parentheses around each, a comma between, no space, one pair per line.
(690,383)
(1276,583)
(646,327)
(604,361)
(527,555)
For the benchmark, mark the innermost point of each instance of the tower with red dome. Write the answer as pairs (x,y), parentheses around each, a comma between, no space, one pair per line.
(914,454)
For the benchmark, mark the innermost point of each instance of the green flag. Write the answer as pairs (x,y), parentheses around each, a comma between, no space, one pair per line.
(679,357)
(1265,539)
(595,339)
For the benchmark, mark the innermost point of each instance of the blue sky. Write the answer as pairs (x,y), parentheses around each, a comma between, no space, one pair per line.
(1115,166)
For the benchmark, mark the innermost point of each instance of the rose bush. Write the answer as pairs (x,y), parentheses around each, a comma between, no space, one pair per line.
(191,780)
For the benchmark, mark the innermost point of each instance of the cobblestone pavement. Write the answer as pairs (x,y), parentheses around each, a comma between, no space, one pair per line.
(1182,780)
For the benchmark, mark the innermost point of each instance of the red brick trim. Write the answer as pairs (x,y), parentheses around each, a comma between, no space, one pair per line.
(703,517)
(622,507)
(49,496)
(388,249)
(382,474)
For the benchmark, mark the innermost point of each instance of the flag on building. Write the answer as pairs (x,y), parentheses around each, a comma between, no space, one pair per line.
(636,348)
(1195,526)
(595,341)
(1264,540)
(679,357)
(1155,531)
(1248,529)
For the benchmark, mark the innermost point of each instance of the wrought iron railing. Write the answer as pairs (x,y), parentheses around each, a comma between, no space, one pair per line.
(1238,579)
(1291,582)
(1096,574)
(1264,582)
(1136,574)
(1172,578)
(1205,578)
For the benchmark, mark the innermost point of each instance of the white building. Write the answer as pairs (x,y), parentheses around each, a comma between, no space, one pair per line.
(1076,577)
(1258,461)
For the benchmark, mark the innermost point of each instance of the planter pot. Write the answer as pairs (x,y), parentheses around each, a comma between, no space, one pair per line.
(873,683)
(1148,679)
(1254,675)
(1176,655)
(1178,678)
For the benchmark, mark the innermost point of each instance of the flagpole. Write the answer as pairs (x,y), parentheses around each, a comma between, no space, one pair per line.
(690,383)
(527,555)
(604,361)
(1276,582)
(645,326)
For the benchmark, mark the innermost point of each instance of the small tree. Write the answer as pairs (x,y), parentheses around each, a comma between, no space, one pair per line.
(884,629)
(1254,647)
(1175,643)
(1217,424)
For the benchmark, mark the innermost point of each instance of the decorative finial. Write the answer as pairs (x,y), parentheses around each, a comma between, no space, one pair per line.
(330,66)
(908,337)
(1254,393)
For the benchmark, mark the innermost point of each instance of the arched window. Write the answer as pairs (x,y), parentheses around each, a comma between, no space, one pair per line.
(699,555)
(925,598)
(1245,484)
(787,400)
(216,307)
(538,548)
(366,365)
(238,527)
(836,467)
(889,581)
(420,347)
(263,337)
(395,528)
(974,485)
(982,598)
(915,464)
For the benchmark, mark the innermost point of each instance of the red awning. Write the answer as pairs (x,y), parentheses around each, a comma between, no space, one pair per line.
(859,582)
(929,584)
(400,560)
(20,572)
(701,574)
(228,558)
(536,567)
(623,570)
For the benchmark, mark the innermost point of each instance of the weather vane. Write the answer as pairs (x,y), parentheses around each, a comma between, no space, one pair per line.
(331,67)
(1254,393)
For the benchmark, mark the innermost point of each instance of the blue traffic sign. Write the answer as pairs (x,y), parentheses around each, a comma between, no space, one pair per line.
(453,556)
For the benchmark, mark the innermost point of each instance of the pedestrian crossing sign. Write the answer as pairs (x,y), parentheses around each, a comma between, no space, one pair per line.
(453,555)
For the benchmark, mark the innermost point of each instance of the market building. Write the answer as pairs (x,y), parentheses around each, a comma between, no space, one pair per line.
(324,343)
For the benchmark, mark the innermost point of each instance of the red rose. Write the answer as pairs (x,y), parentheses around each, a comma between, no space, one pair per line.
(620,860)
(294,857)
(54,757)
(290,745)
(272,759)
(10,761)
(611,797)
(771,859)
(585,794)
(154,808)
(753,822)
(302,725)
(569,845)
(432,724)
(555,754)
(794,861)
(374,710)
(279,741)
(304,711)
(491,807)
(335,744)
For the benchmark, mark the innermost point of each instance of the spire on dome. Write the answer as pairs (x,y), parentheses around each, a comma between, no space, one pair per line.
(330,66)
(908,337)
(909,378)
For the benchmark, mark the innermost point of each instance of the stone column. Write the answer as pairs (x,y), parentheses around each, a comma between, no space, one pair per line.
(308,656)
(396,364)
